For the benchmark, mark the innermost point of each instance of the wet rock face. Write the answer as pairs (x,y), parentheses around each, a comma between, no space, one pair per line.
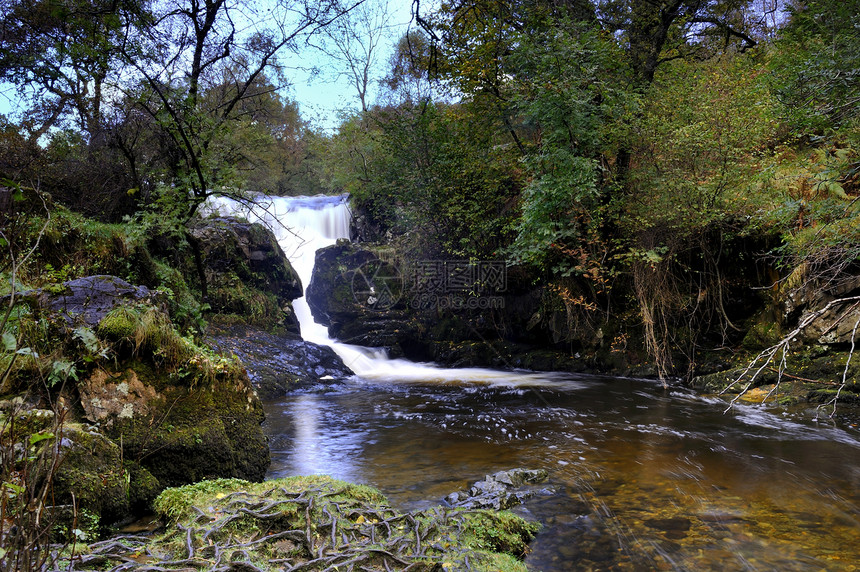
(277,363)
(330,292)
(501,490)
(359,297)
(251,251)
(835,324)
(87,300)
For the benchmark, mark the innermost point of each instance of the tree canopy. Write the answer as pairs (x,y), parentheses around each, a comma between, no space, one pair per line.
(617,150)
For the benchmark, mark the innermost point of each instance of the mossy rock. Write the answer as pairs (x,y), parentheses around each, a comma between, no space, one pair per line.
(323,523)
(762,334)
(245,266)
(17,420)
(92,471)
(188,434)
(143,488)
(725,380)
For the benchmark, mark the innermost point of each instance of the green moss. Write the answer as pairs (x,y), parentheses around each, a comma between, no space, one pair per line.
(93,473)
(238,302)
(762,334)
(177,503)
(498,532)
(151,335)
(17,423)
(347,522)
(143,487)
(74,246)
(184,306)
(121,322)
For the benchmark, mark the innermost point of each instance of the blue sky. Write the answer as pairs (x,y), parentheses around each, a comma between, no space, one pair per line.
(323,97)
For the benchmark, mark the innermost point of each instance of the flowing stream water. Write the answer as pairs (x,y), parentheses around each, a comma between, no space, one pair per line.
(645,478)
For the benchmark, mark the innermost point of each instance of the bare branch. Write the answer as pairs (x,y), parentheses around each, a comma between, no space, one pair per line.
(763,359)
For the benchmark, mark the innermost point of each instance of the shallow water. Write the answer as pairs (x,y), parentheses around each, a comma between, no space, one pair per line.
(645,478)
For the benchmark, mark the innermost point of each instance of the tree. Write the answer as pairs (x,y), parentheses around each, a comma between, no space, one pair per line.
(268,144)
(63,56)
(657,31)
(410,69)
(196,46)
(816,73)
(568,93)
(352,44)
(476,39)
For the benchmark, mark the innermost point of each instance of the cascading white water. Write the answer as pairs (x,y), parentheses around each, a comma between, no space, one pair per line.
(302,226)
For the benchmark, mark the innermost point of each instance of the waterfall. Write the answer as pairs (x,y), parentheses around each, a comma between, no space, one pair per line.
(303,225)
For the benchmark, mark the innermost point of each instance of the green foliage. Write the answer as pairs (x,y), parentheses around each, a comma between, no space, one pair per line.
(242,303)
(705,132)
(552,210)
(434,174)
(61,371)
(567,90)
(74,246)
(817,65)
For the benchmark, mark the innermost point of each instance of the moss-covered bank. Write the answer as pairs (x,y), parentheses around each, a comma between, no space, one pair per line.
(313,523)
(127,406)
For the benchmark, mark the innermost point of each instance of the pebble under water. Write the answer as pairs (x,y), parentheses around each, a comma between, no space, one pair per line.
(645,478)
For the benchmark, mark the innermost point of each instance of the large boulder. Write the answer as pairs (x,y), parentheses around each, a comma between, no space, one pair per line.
(330,292)
(86,301)
(179,433)
(146,407)
(359,296)
(277,363)
(251,251)
(455,313)
(247,273)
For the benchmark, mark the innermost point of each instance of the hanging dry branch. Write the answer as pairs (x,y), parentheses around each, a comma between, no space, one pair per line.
(783,346)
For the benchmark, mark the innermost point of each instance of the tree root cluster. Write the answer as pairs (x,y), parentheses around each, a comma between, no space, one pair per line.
(326,527)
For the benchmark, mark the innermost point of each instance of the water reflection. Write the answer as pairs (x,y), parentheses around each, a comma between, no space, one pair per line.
(307,443)
(308,440)
(645,478)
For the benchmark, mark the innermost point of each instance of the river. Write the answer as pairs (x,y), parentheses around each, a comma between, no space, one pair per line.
(642,477)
